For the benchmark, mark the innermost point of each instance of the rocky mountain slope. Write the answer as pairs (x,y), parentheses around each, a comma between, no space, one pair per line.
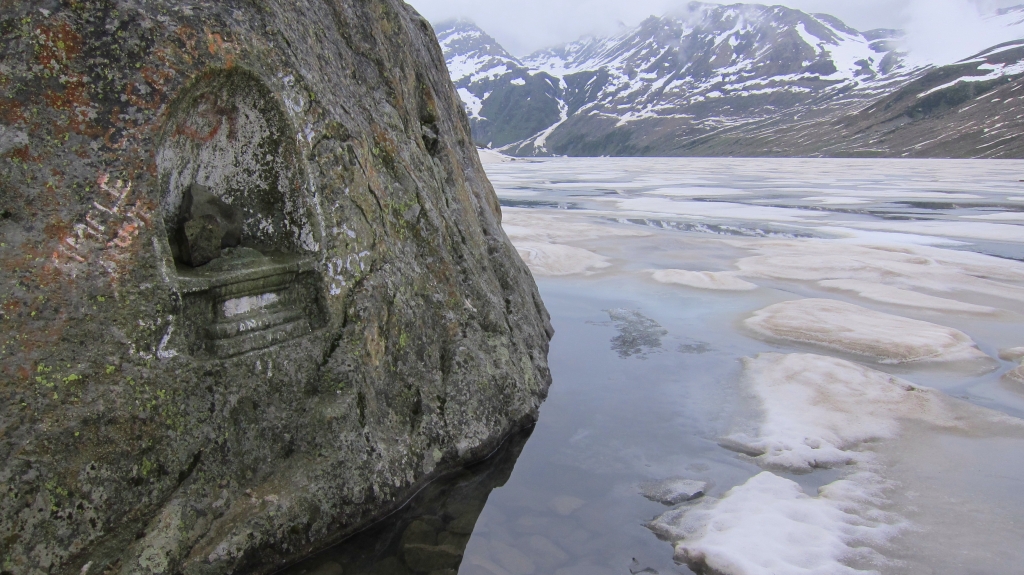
(723,80)
(357,325)
(970,109)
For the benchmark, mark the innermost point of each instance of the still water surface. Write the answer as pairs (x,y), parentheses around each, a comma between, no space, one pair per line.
(649,375)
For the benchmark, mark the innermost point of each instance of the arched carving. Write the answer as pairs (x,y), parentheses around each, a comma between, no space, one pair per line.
(228,148)
(226,131)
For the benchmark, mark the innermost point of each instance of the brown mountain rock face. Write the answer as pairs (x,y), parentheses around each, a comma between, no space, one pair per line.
(369,327)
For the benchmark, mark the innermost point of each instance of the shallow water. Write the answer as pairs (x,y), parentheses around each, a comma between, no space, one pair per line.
(648,376)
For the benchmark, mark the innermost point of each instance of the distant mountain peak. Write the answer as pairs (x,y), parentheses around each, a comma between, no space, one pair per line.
(470,51)
(674,81)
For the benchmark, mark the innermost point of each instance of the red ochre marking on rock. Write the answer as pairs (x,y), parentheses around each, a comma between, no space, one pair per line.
(57,45)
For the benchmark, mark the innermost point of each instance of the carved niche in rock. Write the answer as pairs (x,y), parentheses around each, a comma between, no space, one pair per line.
(236,217)
(206,225)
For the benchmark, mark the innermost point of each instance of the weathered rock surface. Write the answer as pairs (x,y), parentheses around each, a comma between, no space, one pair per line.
(374,327)
(432,529)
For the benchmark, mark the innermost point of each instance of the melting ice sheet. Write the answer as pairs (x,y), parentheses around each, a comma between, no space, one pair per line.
(826,346)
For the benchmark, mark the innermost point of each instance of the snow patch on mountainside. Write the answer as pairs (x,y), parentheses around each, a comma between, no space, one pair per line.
(473,104)
(989,64)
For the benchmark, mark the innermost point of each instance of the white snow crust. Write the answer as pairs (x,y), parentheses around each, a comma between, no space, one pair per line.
(853,329)
(769,526)
(473,104)
(1012,354)
(548,259)
(902,267)
(894,295)
(726,281)
(491,157)
(819,410)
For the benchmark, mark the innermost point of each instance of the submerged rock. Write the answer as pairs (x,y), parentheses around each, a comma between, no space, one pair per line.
(372,329)
(673,491)
(566,504)
(636,568)
(638,334)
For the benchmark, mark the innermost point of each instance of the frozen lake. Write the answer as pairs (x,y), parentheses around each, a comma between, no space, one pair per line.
(827,349)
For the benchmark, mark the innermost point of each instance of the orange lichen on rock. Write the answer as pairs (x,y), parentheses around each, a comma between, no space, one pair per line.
(218,47)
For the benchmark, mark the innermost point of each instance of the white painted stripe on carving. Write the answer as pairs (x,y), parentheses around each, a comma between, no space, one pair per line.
(239,306)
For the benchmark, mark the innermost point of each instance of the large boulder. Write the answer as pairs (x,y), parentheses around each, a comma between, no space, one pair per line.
(372,329)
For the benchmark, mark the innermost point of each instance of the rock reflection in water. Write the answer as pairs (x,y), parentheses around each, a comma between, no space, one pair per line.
(429,534)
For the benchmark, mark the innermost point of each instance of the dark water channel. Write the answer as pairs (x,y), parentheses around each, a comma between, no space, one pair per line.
(430,533)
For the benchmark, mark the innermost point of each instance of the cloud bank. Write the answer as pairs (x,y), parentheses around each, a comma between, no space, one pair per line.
(944,31)
(938,31)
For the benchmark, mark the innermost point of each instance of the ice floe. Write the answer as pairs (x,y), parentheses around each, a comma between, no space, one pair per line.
(819,409)
(946,229)
(853,329)
(1016,374)
(836,200)
(915,481)
(1000,217)
(548,259)
(696,192)
(769,526)
(818,412)
(1012,354)
(898,296)
(906,267)
(541,240)
(655,205)
(703,280)
(532,225)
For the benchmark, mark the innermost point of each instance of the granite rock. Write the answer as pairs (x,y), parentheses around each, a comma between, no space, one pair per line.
(674,490)
(380,330)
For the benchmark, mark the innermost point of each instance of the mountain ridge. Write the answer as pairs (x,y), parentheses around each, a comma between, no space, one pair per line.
(705,78)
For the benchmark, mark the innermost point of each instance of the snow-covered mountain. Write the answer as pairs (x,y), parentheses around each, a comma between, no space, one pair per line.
(506,101)
(680,83)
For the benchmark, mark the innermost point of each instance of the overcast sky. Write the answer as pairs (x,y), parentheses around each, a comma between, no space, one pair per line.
(938,29)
